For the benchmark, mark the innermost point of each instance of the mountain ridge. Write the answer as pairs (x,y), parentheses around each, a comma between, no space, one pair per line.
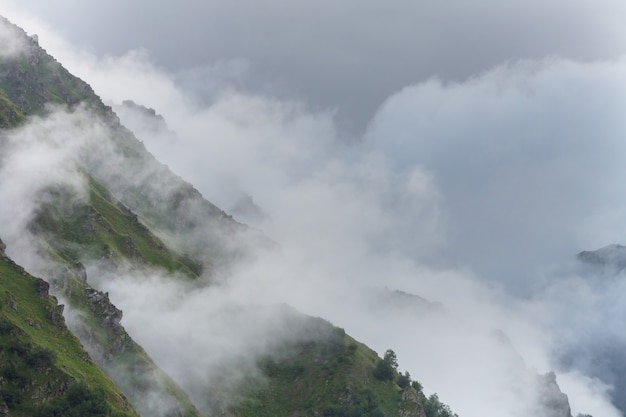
(127,221)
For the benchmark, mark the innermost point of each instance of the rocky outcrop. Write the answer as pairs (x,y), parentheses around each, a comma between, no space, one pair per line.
(81,272)
(3,247)
(52,389)
(4,409)
(55,314)
(551,400)
(412,403)
(608,257)
(149,119)
(109,315)
(109,329)
(43,288)
(24,86)
(136,375)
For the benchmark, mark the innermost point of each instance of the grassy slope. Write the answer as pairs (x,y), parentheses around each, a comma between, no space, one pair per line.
(100,227)
(10,114)
(328,375)
(34,321)
(331,376)
(33,80)
(104,230)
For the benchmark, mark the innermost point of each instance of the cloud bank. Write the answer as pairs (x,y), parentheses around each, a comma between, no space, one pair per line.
(525,156)
(349,56)
(495,184)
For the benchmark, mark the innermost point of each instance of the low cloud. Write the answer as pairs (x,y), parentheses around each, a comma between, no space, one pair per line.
(525,157)
(37,159)
(11,43)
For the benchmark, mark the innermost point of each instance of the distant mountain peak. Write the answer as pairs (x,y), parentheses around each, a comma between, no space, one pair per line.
(611,256)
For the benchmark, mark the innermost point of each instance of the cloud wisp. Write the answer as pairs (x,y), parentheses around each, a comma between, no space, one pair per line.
(38,158)
(11,44)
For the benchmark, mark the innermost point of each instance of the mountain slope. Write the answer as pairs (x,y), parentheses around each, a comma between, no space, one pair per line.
(330,376)
(43,367)
(103,229)
(123,212)
(69,230)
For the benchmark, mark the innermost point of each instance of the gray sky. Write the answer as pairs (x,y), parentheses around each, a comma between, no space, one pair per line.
(348,55)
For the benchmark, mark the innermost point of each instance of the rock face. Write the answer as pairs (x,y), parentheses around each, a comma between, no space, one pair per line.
(4,409)
(602,356)
(147,117)
(110,317)
(412,403)
(552,401)
(3,247)
(108,342)
(612,257)
(43,288)
(81,272)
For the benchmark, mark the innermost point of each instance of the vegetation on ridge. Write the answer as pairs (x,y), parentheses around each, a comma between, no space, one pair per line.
(40,360)
(330,374)
(103,228)
(327,375)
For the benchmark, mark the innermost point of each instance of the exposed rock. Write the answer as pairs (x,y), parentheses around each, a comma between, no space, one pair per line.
(3,248)
(245,209)
(109,315)
(55,314)
(412,403)
(130,244)
(150,119)
(347,396)
(52,389)
(4,409)
(43,288)
(610,256)
(110,329)
(552,401)
(81,272)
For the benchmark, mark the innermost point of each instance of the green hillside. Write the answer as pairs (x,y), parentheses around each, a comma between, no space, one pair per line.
(103,230)
(329,376)
(43,366)
(139,215)
(10,115)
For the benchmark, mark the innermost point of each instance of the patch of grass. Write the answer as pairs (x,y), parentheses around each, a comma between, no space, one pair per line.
(326,376)
(103,228)
(39,357)
(10,115)
(35,79)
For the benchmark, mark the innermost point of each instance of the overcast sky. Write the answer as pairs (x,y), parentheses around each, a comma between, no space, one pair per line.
(348,55)
(486,151)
